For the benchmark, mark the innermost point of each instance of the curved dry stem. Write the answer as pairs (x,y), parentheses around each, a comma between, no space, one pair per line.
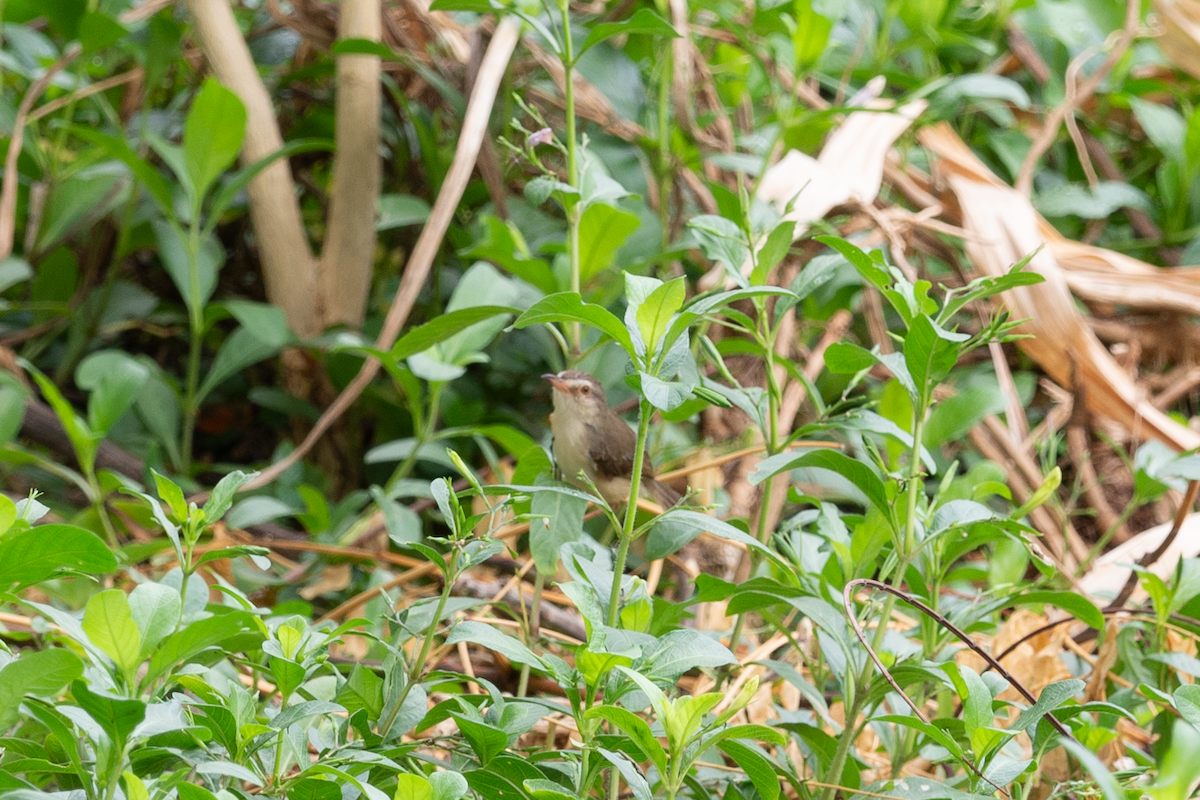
(1076,98)
(479,109)
(847,600)
(8,192)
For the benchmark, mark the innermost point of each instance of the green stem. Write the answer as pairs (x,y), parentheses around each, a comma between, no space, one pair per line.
(418,664)
(196,331)
(574,213)
(531,635)
(665,79)
(635,483)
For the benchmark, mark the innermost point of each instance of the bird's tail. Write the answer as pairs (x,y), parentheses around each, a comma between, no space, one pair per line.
(660,493)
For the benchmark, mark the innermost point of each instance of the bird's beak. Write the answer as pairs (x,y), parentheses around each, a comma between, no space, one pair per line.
(555,381)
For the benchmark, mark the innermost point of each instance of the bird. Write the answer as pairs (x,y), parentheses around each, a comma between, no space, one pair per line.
(591,438)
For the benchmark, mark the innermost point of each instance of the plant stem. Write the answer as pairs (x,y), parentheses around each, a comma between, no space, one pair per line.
(635,483)
(196,331)
(574,329)
(418,664)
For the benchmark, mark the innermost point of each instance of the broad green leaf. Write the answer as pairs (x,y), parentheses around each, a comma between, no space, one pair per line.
(602,230)
(977,705)
(636,729)
(643,21)
(569,307)
(772,252)
(238,181)
(629,771)
(503,245)
(655,312)
(197,637)
(222,494)
(854,471)
(681,650)
(1076,605)
(170,494)
(117,716)
(242,349)
(562,523)
(400,210)
(695,523)
(160,190)
(155,609)
(267,322)
(1051,697)
(863,263)
(212,135)
(38,672)
(108,623)
(173,251)
(98,30)
(1186,697)
(486,740)
(492,639)
(756,766)
(1163,126)
(35,554)
(443,327)
(114,379)
(412,787)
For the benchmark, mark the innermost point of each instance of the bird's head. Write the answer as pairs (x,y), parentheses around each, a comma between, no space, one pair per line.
(576,389)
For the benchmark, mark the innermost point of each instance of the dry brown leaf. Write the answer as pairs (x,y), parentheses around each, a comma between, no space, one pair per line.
(1180,39)
(1004,230)
(334,578)
(1110,571)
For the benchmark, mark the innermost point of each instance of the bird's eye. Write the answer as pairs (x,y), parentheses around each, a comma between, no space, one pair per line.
(585,389)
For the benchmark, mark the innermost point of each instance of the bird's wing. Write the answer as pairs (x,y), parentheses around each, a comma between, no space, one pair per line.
(613,453)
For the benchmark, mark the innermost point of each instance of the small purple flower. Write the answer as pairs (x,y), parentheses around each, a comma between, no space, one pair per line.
(544,136)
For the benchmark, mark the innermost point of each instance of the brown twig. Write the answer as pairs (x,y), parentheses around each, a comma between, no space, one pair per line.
(1189,499)
(1081,94)
(8,191)
(1106,518)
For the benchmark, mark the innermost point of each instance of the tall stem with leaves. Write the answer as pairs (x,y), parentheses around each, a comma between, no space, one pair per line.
(575,209)
(635,480)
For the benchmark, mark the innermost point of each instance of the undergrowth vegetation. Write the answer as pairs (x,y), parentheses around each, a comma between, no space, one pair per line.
(857,598)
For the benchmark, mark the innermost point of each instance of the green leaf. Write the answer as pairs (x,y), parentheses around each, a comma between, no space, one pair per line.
(401,210)
(856,472)
(643,21)
(443,327)
(1043,493)
(562,523)
(82,439)
(977,705)
(503,245)
(569,307)
(412,787)
(1186,697)
(680,650)
(863,263)
(655,312)
(845,358)
(1076,605)
(239,180)
(691,524)
(1163,126)
(222,494)
(773,251)
(195,638)
(170,494)
(602,230)
(98,31)
(268,323)
(12,413)
(160,190)
(35,554)
(38,672)
(756,766)
(155,609)
(636,729)
(114,380)
(108,623)
(117,716)
(629,771)
(1051,698)
(492,639)
(212,135)
(173,251)
(242,349)
(486,740)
